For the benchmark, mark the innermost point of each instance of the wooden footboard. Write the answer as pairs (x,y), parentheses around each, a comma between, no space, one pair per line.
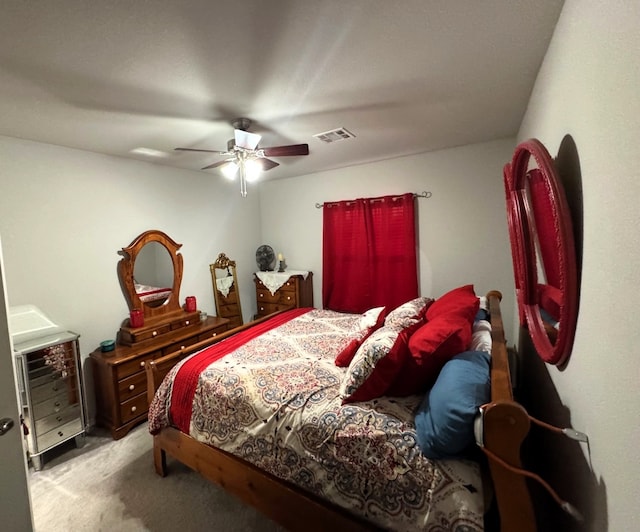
(505,426)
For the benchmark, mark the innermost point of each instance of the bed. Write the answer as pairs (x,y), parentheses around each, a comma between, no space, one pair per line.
(148,294)
(266,412)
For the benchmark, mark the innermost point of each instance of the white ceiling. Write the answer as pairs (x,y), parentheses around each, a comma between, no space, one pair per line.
(404,76)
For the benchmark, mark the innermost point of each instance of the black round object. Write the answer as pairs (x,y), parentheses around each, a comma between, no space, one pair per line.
(266,258)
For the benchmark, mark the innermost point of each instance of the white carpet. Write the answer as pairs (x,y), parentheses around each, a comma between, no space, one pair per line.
(109,485)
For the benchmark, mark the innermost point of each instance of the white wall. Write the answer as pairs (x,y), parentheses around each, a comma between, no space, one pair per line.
(64,214)
(588,88)
(462,228)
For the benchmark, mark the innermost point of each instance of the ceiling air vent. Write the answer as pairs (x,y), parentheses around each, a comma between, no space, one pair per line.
(334,135)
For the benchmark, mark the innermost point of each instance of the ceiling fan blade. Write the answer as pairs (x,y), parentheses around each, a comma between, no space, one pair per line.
(247,140)
(217,164)
(282,151)
(206,151)
(268,164)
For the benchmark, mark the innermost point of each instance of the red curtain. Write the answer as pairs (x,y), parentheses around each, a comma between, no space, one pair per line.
(369,253)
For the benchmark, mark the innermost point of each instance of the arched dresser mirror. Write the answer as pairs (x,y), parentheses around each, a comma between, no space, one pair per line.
(150,274)
(225,290)
(543,250)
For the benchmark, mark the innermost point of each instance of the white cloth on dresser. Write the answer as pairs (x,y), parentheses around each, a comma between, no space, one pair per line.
(224,285)
(274,280)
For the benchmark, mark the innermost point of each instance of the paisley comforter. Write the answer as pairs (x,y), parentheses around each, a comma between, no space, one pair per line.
(274,402)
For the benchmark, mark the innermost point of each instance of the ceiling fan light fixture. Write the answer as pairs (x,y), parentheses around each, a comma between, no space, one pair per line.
(252,169)
(229,170)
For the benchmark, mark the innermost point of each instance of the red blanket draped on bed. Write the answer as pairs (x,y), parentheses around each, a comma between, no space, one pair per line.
(184,387)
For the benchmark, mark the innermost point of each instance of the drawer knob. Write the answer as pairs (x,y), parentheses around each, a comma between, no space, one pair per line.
(261,308)
(261,295)
(142,364)
(154,333)
(60,433)
(186,322)
(134,408)
(214,334)
(132,387)
(58,418)
(181,347)
(288,298)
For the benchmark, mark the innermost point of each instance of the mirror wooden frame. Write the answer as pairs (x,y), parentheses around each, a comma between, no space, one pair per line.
(126,276)
(225,305)
(542,240)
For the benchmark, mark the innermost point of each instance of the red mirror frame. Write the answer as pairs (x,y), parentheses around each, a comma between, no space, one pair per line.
(541,234)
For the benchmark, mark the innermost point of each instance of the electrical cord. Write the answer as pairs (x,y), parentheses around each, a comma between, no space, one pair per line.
(569,433)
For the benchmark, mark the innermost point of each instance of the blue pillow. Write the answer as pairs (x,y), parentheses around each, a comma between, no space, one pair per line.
(444,419)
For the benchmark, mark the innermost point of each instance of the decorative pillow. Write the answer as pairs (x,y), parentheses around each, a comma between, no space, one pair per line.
(377,363)
(461,301)
(371,321)
(408,313)
(444,420)
(431,346)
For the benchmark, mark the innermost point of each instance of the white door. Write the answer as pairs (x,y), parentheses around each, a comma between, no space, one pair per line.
(15,503)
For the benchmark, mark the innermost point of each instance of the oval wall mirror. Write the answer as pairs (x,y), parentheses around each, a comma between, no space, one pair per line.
(543,251)
(150,273)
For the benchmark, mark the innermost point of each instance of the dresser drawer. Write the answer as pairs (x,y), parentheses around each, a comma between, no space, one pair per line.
(51,406)
(64,432)
(148,334)
(265,309)
(136,365)
(58,419)
(134,407)
(290,286)
(132,386)
(49,389)
(211,334)
(179,345)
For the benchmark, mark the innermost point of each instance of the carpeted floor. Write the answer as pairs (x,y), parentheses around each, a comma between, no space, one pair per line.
(109,485)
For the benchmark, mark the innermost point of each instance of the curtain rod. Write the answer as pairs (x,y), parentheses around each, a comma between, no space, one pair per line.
(423,194)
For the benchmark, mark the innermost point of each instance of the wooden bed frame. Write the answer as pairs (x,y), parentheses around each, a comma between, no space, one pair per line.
(506,424)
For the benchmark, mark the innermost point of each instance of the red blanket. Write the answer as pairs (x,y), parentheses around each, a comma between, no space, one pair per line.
(186,379)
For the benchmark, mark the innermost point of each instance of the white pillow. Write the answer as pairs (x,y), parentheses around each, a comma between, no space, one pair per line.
(481,336)
(368,319)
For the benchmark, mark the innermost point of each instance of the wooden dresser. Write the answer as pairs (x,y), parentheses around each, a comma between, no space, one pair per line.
(296,291)
(119,375)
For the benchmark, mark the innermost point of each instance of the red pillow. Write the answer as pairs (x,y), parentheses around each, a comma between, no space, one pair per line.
(377,363)
(431,346)
(345,356)
(462,301)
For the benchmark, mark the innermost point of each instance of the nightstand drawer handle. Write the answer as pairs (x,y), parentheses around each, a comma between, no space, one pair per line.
(134,408)
(60,433)
(58,418)
(154,333)
(261,295)
(186,322)
(142,364)
(182,347)
(288,298)
(132,387)
(214,334)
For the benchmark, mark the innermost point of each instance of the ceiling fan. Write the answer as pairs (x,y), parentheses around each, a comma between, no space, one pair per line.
(245,157)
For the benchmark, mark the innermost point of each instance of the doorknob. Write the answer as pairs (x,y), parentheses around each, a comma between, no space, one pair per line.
(5,425)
